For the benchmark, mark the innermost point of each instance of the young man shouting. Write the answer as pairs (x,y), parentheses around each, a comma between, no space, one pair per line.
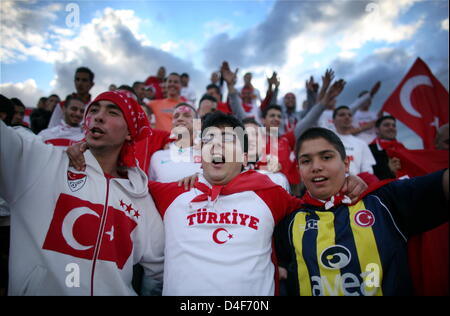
(80,233)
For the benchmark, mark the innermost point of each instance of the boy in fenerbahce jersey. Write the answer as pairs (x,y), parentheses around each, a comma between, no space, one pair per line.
(80,233)
(219,233)
(332,246)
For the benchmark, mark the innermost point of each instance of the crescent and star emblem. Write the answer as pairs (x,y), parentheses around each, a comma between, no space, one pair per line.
(364,218)
(407,89)
(223,237)
(67,226)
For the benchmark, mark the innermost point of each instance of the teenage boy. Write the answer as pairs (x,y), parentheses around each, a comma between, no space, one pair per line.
(331,246)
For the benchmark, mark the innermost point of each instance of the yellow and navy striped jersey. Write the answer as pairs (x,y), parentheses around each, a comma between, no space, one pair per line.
(359,249)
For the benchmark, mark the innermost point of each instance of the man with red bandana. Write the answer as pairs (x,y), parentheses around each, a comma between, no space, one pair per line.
(80,233)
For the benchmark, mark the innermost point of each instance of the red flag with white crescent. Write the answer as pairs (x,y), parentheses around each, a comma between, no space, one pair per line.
(420,102)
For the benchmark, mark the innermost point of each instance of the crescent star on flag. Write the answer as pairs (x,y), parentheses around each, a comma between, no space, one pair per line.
(407,89)
(67,226)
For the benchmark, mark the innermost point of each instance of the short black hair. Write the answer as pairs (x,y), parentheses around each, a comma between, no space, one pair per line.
(17,101)
(250,120)
(127,88)
(383,118)
(86,70)
(220,119)
(338,109)
(6,106)
(213,86)
(71,97)
(137,83)
(184,74)
(271,107)
(207,97)
(320,132)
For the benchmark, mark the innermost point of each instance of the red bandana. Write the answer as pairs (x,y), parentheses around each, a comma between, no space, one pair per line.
(137,122)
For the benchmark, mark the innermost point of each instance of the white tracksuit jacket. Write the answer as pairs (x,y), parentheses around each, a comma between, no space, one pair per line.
(75,233)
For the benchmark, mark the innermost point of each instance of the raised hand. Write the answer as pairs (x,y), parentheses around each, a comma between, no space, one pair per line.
(273,80)
(332,93)
(229,76)
(375,88)
(327,78)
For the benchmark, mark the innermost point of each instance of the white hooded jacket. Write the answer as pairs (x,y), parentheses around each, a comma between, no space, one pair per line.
(75,233)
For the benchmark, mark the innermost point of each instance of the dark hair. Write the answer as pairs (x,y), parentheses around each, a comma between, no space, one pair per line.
(137,83)
(271,107)
(319,132)
(6,106)
(184,74)
(127,88)
(188,105)
(54,95)
(69,99)
(338,109)
(86,70)
(207,97)
(213,86)
(220,119)
(174,74)
(17,101)
(383,118)
(250,120)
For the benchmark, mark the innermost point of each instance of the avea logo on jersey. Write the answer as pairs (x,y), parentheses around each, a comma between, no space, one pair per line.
(335,258)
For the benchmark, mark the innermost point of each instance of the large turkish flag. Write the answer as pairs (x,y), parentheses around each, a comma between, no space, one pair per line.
(420,101)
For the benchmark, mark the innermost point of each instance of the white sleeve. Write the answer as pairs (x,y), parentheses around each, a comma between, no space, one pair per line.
(151,169)
(153,259)
(57,116)
(22,161)
(358,102)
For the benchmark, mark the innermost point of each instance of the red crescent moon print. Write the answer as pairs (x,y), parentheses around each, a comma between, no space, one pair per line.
(216,239)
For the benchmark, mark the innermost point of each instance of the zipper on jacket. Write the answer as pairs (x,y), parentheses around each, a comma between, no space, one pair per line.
(100,235)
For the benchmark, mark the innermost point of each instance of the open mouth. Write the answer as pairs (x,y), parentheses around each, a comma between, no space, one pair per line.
(319,180)
(96,131)
(218,160)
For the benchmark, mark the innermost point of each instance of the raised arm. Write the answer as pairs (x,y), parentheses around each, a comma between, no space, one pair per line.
(235,101)
(326,102)
(355,106)
(23,160)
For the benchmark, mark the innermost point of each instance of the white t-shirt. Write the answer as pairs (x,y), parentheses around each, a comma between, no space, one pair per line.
(174,164)
(363,117)
(221,246)
(189,94)
(361,158)
(62,135)
(326,120)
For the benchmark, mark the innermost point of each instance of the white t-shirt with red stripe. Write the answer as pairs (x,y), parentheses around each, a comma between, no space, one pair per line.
(222,247)
(62,135)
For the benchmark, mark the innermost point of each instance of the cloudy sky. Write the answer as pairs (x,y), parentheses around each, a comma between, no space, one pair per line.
(43,42)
